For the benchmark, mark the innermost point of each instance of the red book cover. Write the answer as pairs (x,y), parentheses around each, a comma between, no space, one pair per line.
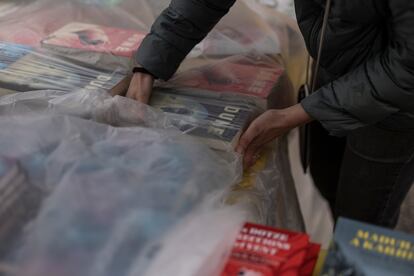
(238,74)
(310,260)
(266,251)
(95,38)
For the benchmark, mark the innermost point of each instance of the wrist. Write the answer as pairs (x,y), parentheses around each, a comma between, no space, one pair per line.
(291,117)
(298,116)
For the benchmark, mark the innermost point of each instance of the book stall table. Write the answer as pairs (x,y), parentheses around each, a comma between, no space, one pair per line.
(93,183)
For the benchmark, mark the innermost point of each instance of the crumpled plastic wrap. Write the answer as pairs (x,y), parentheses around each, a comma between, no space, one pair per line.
(113,197)
(266,190)
(110,198)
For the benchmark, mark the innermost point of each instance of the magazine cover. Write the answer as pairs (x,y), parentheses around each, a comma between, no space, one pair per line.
(94,38)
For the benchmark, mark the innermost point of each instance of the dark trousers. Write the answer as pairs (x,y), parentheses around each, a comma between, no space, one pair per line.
(364,176)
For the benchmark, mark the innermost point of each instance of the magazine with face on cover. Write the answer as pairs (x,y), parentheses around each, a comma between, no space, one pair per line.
(95,44)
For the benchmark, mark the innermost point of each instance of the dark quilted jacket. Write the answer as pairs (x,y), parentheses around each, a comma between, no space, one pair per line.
(367,66)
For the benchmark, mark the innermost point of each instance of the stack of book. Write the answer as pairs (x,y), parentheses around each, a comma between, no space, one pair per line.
(220,98)
(214,103)
(265,251)
(363,249)
(25,69)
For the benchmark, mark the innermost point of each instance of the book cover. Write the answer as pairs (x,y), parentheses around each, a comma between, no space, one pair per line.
(217,123)
(95,38)
(363,249)
(37,71)
(265,251)
(311,258)
(247,75)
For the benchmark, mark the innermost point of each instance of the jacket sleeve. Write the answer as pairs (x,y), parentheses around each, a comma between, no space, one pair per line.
(381,86)
(176,31)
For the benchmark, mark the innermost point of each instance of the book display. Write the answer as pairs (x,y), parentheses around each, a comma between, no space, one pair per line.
(93,183)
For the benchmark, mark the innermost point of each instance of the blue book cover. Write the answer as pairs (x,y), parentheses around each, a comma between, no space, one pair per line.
(363,249)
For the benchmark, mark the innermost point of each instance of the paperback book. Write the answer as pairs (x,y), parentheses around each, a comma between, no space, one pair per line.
(265,251)
(219,124)
(363,249)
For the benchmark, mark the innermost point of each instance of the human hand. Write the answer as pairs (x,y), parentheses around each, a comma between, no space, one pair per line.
(267,127)
(140,87)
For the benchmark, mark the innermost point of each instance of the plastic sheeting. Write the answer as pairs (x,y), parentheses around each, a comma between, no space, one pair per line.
(266,190)
(116,198)
(111,198)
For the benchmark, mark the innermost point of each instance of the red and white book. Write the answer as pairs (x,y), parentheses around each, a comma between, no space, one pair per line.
(266,251)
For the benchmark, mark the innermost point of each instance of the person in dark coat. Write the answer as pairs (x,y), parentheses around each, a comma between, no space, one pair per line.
(361,114)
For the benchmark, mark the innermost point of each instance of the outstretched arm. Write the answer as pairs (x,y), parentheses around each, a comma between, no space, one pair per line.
(173,35)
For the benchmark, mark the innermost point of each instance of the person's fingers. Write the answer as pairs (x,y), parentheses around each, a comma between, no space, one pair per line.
(140,87)
(252,153)
(249,154)
(248,136)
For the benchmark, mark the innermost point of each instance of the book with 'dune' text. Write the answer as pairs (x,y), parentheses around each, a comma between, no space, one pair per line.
(218,124)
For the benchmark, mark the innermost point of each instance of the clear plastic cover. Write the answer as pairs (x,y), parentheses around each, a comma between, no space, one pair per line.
(108,186)
(110,196)
(89,45)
